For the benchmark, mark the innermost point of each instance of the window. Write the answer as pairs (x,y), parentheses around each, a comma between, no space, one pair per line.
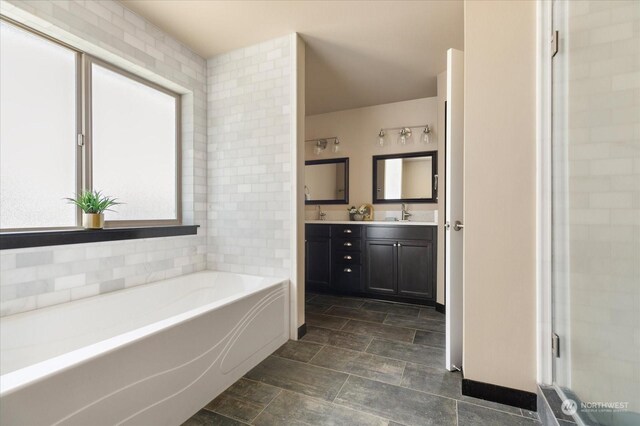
(130,148)
(38,130)
(133,137)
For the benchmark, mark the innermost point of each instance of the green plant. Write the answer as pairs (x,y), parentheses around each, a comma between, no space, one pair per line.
(93,202)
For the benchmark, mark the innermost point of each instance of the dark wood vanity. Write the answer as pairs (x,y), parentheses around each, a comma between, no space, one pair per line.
(392,262)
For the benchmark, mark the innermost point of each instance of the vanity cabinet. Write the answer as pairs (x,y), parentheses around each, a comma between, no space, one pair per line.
(318,258)
(395,262)
(400,261)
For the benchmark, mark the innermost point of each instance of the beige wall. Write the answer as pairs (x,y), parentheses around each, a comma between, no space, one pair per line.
(357,130)
(500,193)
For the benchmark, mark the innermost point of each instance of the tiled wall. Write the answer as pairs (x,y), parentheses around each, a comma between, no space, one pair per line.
(249,165)
(603,228)
(34,278)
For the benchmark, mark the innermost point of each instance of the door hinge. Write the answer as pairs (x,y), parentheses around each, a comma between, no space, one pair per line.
(555,345)
(555,43)
(80,139)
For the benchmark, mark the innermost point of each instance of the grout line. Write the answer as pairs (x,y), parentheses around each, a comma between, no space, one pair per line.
(265,407)
(457,420)
(230,416)
(349,318)
(316,354)
(340,390)
(369,344)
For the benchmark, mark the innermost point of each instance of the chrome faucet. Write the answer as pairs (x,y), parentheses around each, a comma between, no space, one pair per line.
(321,215)
(405,213)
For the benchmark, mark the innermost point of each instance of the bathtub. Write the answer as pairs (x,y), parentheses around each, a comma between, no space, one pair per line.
(149,355)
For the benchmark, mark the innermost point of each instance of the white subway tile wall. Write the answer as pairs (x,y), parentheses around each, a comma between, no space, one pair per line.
(40,277)
(249,167)
(603,226)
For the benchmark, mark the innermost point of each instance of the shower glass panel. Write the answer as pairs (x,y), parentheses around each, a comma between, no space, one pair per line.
(596,209)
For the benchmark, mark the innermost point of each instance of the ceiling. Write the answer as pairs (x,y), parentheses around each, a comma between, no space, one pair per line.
(359,53)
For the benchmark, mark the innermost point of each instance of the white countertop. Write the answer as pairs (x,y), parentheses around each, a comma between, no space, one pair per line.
(373,222)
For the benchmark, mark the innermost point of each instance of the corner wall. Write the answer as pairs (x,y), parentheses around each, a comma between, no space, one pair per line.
(500,193)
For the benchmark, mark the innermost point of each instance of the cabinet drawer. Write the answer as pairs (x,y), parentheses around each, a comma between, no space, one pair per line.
(346,231)
(399,232)
(317,230)
(348,244)
(347,257)
(347,278)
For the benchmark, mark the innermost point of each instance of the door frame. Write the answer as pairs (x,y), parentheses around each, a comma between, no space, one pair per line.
(544,304)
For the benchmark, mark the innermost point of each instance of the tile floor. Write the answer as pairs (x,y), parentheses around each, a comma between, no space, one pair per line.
(362,362)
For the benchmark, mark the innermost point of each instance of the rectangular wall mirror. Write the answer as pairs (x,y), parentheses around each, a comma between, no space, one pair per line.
(326,181)
(405,178)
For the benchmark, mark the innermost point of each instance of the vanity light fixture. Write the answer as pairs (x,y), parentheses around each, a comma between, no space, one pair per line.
(321,144)
(405,135)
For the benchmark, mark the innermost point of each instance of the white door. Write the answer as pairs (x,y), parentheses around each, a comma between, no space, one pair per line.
(454,151)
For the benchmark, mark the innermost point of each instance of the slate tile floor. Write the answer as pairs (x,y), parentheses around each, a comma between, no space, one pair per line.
(362,362)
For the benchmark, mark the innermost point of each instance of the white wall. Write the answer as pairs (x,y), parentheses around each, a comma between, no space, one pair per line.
(249,167)
(500,193)
(39,277)
(358,130)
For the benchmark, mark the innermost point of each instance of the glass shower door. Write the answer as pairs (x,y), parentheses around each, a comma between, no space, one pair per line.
(596,209)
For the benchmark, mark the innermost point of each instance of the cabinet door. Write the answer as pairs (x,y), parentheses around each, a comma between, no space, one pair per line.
(380,262)
(318,263)
(416,269)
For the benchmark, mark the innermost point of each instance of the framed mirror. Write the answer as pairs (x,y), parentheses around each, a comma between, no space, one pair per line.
(326,181)
(405,178)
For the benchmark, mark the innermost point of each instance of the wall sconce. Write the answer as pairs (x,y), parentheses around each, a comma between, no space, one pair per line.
(321,144)
(405,135)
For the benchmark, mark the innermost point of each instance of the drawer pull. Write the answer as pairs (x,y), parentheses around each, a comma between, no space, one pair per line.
(347,257)
(347,231)
(347,269)
(348,244)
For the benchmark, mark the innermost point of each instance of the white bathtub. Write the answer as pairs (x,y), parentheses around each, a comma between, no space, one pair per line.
(149,355)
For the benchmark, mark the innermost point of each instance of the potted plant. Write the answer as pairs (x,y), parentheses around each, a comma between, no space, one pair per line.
(93,205)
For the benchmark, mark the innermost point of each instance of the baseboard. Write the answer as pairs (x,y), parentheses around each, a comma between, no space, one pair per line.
(302,330)
(500,394)
(440,308)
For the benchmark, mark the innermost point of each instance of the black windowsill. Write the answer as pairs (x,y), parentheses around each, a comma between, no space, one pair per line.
(16,240)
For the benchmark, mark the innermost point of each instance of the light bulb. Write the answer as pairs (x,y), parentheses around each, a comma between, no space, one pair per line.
(426,135)
(336,145)
(381,138)
(405,136)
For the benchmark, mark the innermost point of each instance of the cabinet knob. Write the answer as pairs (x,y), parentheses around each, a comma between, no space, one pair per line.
(347,231)
(347,257)
(347,269)
(348,244)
